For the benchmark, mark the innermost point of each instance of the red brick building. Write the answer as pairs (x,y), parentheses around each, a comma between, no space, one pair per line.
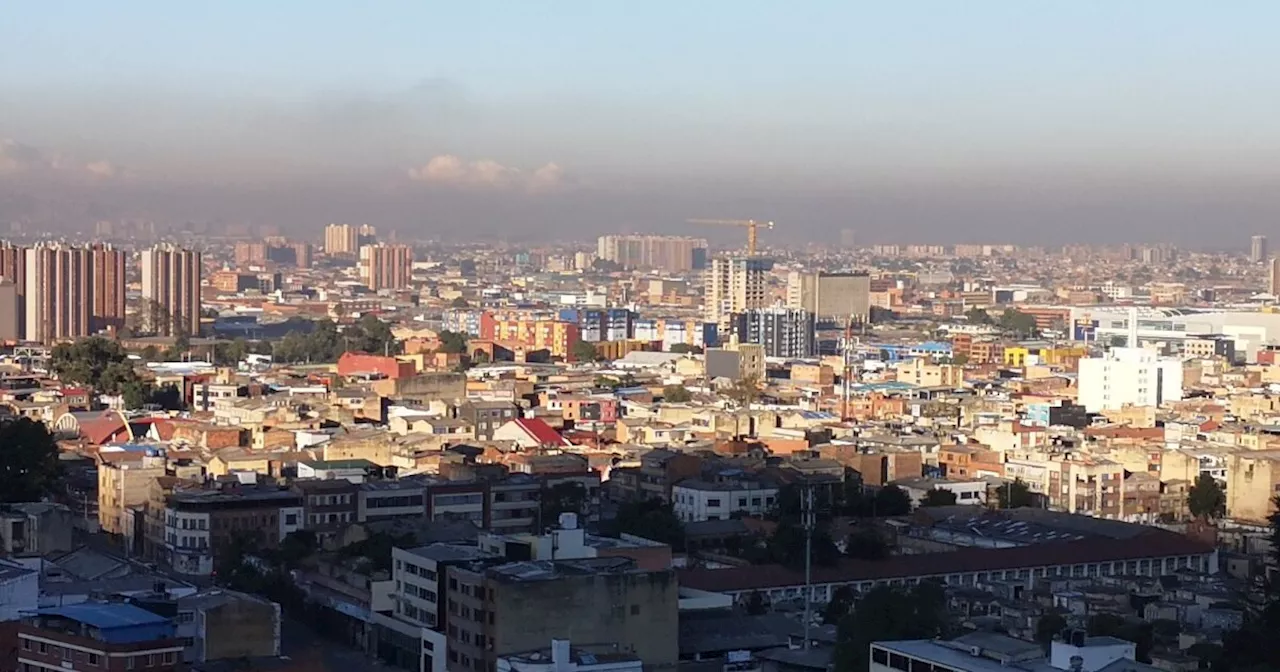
(355,363)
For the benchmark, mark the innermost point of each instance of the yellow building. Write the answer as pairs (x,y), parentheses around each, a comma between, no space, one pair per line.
(1252,479)
(918,372)
(122,484)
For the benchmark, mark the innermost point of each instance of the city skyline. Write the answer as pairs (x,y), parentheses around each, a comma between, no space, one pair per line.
(1088,122)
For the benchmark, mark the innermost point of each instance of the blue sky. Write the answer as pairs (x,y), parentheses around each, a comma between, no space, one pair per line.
(798,95)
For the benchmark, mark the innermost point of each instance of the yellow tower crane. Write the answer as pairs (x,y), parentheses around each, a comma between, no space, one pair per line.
(753,227)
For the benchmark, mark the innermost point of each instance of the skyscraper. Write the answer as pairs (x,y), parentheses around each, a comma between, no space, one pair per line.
(734,285)
(835,298)
(1258,249)
(13,267)
(784,332)
(1273,276)
(171,289)
(107,283)
(386,266)
(59,302)
(348,238)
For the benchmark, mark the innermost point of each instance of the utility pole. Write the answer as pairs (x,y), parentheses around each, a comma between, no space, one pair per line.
(807,519)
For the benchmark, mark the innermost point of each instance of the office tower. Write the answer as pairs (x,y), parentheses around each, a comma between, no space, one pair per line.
(667,253)
(348,238)
(1257,249)
(734,285)
(834,298)
(171,290)
(783,332)
(386,266)
(1273,277)
(302,255)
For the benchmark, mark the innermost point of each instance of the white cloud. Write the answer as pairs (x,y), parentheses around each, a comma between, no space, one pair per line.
(449,170)
(17,158)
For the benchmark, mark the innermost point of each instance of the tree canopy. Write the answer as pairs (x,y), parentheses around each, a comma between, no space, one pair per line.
(977,315)
(685,348)
(584,351)
(890,613)
(1206,498)
(866,544)
(651,519)
(938,497)
(452,342)
(1019,323)
(892,501)
(97,362)
(676,394)
(744,391)
(325,343)
(1014,495)
(29,466)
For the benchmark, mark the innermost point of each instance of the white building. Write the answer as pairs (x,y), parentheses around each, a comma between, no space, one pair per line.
(696,500)
(966,492)
(1128,377)
(1168,328)
(991,652)
(563,658)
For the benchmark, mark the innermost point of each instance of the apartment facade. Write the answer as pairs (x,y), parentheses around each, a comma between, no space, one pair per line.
(171,289)
(384,266)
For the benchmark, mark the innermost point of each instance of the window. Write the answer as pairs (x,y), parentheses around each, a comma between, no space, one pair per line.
(168,658)
(713,502)
(185,616)
(880,656)
(26,644)
(899,662)
(92,658)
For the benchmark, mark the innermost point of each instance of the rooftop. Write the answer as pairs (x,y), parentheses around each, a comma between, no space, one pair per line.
(106,615)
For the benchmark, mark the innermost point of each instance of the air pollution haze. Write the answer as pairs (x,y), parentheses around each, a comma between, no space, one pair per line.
(1084,122)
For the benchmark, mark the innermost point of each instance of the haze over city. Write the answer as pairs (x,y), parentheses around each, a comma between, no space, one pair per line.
(909,122)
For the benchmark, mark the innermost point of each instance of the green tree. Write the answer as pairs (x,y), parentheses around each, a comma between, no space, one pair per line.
(938,497)
(787,547)
(30,469)
(892,501)
(1019,323)
(563,497)
(452,342)
(866,544)
(459,302)
(95,361)
(651,519)
(370,335)
(1048,626)
(1015,495)
(584,351)
(840,606)
(676,394)
(743,391)
(977,315)
(230,353)
(685,349)
(1206,498)
(890,613)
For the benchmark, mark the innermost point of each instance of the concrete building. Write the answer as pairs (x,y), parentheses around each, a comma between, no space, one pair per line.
(1128,377)
(736,361)
(171,289)
(124,482)
(35,528)
(10,311)
(220,624)
(1258,249)
(381,500)
(13,268)
(505,609)
(992,652)
(385,266)
(734,285)
(1167,328)
(98,635)
(348,238)
(696,500)
(561,657)
(675,254)
(198,523)
(918,371)
(789,333)
(835,298)
(967,492)
(1273,276)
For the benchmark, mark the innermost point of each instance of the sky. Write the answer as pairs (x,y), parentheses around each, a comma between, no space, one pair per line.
(1022,120)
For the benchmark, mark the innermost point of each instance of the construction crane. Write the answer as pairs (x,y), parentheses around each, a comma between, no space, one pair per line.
(753,226)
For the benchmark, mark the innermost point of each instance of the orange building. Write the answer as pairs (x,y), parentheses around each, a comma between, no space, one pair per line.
(555,336)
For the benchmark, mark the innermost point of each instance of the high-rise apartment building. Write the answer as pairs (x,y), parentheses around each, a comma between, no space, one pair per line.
(9,311)
(1128,377)
(1273,277)
(13,267)
(348,238)
(783,332)
(107,284)
(71,292)
(668,253)
(1257,249)
(834,298)
(171,289)
(734,285)
(386,266)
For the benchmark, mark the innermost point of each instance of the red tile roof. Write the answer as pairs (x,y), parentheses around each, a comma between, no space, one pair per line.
(541,432)
(1153,544)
